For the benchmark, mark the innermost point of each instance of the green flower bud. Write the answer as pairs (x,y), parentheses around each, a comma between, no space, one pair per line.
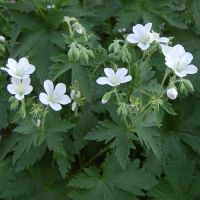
(14,104)
(106,97)
(22,112)
(116,46)
(76,53)
(182,88)
(111,47)
(188,84)
(84,56)
(12,99)
(90,53)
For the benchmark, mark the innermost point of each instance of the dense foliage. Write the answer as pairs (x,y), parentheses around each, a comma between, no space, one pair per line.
(120,141)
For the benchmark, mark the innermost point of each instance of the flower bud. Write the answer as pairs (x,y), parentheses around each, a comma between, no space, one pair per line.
(78,28)
(106,97)
(2,39)
(85,56)
(14,104)
(73,106)
(72,94)
(22,112)
(172,93)
(183,88)
(12,99)
(188,84)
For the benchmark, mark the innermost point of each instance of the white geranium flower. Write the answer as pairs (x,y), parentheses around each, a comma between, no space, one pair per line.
(177,59)
(20,70)
(113,78)
(2,39)
(172,93)
(54,97)
(50,6)
(141,36)
(159,39)
(20,87)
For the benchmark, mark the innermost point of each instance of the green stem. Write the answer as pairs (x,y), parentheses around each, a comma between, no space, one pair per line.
(110,26)
(43,118)
(145,64)
(7,22)
(116,94)
(39,10)
(164,78)
(84,4)
(118,101)
(93,158)
(141,116)
(96,69)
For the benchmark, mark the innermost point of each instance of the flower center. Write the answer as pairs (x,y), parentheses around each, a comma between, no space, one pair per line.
(178,68)
(114,80)
(145,38)
(20,71)
(20,89)
(52,98)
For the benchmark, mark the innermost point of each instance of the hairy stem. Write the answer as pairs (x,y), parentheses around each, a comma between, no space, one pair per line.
(93,158)
(39,10)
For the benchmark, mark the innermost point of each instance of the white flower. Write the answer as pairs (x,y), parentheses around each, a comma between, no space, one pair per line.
(177,59)
(141,36)
(172,93)
(54,97)
(49,6)
(122,30)
(2,39)
(20,87)
(157,38)
(113,78)
(20,70)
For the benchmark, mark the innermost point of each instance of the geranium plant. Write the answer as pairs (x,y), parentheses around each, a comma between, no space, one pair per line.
(97,106)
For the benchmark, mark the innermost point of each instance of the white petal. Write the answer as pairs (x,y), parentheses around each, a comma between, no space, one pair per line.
(63,99)
(60,89)
(125,79)
(23,61)
(12,64)
(138,29)
(26,81)
(110,73)
(15,81)
(163,39)
(190,69)
(186,59)
(44,98)
(4,69)
(103,81)
(181,73)
(11,88)
(179,49)
(19,97)
(29,69)
(55,106)
(148,27)
(166,49)
(28,89)
(143,46)
(48,86)
(132,38)
(121,73)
